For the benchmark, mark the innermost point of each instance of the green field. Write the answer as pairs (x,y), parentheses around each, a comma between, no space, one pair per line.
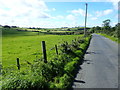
(58,72)
(28,46)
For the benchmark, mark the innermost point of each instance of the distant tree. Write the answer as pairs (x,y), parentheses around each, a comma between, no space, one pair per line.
(106,26)
(14,26)
(93,29)
(98,28)
(29,28)
(33,27)
(106,22)
(68,29)
(6,26)
(48,30)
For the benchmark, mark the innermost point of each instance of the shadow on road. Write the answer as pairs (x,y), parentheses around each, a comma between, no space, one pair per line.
(79,68)
(79,81)
(90,53)
(86,60)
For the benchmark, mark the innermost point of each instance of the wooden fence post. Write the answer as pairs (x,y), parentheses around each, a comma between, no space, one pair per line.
(44,52)
(18,64)
(56,49)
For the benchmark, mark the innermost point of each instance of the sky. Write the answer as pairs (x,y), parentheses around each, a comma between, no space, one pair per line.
(56,14)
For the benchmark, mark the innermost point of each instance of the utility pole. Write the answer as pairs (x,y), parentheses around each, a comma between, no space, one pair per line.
(85,20)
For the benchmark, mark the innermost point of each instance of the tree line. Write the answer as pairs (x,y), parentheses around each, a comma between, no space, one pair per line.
(107,29)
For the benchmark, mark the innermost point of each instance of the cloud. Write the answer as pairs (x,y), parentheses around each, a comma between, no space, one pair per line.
(103,13)
(115,5)
(94,18)
(36,13)
(99,14)
(71,17)
(53,9)
(59,17)
(78,12)
(44,15)
(108,11)
(22,11)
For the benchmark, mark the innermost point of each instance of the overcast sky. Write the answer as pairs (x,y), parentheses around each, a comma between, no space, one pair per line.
(51,14)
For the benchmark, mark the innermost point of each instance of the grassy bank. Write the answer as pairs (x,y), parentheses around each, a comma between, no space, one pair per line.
(110,37)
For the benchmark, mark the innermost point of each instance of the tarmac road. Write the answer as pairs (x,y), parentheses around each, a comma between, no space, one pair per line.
(100,67)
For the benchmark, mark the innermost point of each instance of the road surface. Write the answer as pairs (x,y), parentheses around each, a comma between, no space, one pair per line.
(100,67)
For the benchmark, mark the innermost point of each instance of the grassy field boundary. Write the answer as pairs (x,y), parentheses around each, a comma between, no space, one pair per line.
(110,37)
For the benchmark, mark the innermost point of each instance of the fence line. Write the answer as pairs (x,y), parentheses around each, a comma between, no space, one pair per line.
(44,51)
(56,49)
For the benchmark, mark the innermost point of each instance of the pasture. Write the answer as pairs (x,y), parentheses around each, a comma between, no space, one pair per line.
(58,72)
(28,46)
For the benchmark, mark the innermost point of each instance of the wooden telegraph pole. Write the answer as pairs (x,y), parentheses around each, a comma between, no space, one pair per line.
(85,20)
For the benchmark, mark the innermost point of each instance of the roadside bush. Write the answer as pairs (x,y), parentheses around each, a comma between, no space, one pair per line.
(64,81)
(69,67)
(19,81)
(42,69)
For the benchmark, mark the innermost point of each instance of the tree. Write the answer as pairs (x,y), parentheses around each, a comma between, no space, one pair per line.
(92,30)
(106,22)
(106,26)
(6,26)
(68,29)
(98,28)
(117,30)
(14,26)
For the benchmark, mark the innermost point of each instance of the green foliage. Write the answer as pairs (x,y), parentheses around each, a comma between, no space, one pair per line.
(112,32)
(69,67)
(106,22)
(79,53)
(64,81)
(20,81)
(57,73)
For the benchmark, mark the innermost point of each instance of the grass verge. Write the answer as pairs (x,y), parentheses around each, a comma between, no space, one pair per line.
(110,37)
